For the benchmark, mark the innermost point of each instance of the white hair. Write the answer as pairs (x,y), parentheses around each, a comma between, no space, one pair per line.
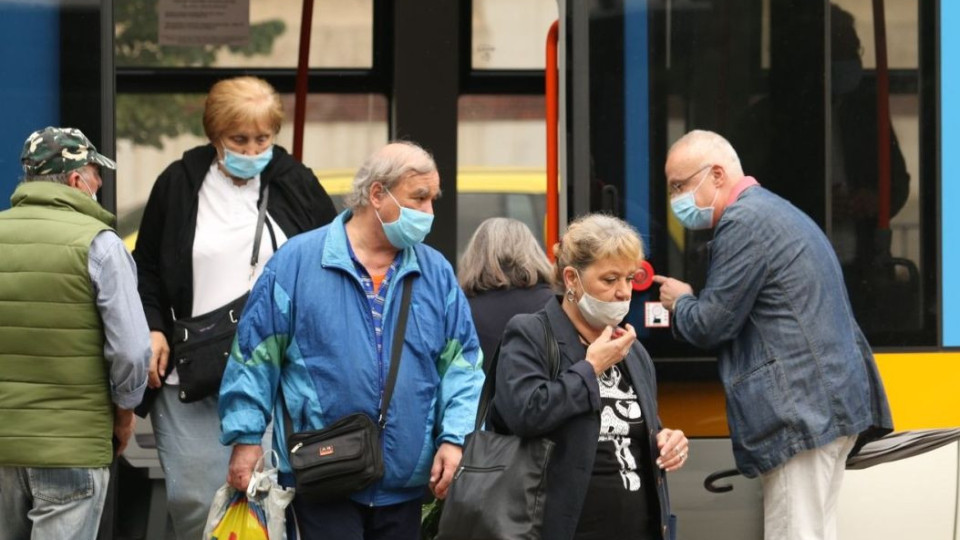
(711,147)
(389,165)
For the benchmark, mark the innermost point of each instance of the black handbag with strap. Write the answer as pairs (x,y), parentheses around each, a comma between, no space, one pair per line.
(201,345)
(499,489)
(345,457)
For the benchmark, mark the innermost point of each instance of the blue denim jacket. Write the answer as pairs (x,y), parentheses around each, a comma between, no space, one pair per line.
(796,369)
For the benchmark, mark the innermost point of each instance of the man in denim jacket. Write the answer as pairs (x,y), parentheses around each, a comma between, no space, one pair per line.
(801,383)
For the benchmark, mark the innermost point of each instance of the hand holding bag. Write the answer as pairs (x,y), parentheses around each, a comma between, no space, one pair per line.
(345,457)
(258,514)
(201,345)
(499,488)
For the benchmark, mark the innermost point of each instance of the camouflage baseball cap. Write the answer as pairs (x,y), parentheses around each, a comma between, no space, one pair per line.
(56,150)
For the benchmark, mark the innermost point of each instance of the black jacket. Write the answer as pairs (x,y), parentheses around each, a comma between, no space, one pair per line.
(164,250)
(492,309)
(567,410)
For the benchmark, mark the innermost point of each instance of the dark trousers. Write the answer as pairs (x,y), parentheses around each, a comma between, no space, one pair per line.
(347,520)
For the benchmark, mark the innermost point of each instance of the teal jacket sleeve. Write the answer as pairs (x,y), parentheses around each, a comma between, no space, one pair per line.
(460,367)
(252,376)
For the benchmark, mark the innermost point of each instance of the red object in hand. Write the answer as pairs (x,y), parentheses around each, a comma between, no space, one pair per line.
(643,279)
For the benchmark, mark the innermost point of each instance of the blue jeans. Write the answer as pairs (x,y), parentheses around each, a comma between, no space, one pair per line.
(194,462)
(51,503)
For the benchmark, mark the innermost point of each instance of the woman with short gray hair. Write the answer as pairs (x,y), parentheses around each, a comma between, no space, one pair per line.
(503,272)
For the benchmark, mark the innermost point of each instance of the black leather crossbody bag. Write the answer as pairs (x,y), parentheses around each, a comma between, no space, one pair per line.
(346,456)
(201,345)
(499,489)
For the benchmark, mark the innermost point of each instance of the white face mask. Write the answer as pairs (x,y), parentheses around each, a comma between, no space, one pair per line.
(599,314)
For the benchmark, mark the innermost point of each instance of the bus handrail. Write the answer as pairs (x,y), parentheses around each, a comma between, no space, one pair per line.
(551,92)
(303,67)
(883,117)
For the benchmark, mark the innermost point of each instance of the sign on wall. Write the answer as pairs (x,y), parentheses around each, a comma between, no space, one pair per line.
(203,22)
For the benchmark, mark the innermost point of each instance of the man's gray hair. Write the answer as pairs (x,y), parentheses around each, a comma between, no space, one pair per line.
(58,178)
(713,147)
(389,165)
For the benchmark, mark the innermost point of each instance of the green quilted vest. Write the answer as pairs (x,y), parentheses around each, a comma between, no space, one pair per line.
(55,407)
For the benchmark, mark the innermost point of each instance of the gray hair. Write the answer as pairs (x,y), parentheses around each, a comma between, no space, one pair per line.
(57,178)
(712,147)
(388,166)
(502,253)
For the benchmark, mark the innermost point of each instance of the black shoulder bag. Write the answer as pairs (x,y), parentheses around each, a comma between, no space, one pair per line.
(201,345)
(499,489)
(345,457)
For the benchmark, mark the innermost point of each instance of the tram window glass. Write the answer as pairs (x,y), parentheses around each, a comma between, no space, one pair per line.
(793,85)
(341,130)
(511,35)
(824,158)
(500,152)
(342,37)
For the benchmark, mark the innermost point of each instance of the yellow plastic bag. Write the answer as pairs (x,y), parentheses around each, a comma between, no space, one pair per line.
(257,514)
(241,521)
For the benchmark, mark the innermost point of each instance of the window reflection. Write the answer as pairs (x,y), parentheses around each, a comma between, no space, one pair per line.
(501,152)
(342,37)
(765,84)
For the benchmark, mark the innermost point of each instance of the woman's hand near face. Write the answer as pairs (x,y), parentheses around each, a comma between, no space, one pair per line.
(610,348)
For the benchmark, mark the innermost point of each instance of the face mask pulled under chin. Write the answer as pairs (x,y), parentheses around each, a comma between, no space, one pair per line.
(599,314)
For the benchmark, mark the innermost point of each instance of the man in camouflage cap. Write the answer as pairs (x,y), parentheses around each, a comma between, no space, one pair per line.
(74,342)
(58,150)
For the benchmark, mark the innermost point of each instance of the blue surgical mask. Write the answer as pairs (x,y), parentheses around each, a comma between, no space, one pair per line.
(245,167)
(409,229)
(688,213)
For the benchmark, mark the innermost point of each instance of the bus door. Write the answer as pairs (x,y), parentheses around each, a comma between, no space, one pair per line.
(793,84)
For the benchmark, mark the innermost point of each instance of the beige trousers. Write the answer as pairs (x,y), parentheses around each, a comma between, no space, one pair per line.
(800,497)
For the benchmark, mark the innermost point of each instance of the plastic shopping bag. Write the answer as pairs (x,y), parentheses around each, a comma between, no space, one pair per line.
(257,514)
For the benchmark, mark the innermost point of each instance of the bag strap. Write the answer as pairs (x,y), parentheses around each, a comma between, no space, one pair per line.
(394,363)
(398,335)
(490,383)
(261,218)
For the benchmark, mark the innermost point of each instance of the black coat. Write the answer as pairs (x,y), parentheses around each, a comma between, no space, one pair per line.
(527,403)
(492,309)
(164,250)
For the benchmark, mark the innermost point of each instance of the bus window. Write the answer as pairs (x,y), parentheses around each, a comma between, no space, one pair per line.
(797,87)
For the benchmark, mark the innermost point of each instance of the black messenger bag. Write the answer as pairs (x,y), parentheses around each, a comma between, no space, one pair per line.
(345,457)
(201,345)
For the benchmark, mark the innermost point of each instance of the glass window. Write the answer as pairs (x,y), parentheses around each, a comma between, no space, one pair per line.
(341,130)
(511,35)
(794,86)
(501,151)
(342,37)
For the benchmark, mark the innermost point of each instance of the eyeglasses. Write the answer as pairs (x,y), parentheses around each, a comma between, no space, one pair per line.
(676,188)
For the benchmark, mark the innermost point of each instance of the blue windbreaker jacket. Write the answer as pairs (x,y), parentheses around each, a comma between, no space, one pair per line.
(307,328)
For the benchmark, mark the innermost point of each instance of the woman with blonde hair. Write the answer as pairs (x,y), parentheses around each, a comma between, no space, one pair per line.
(193,256)
(607,474)
(503,272)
